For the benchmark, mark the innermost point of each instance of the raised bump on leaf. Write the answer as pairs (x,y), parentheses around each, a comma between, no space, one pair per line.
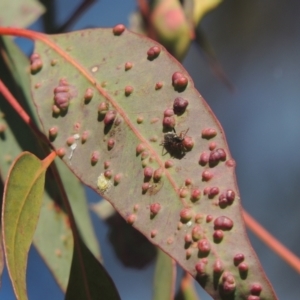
(36,63)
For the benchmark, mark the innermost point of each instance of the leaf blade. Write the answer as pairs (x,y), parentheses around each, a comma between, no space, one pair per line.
(21,207)
(97,285)
(187,289)
(184,219)
(164,277)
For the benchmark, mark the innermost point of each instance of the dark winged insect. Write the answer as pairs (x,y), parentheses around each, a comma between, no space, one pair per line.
(173,143)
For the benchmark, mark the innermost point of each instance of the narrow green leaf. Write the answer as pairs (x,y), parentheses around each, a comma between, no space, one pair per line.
(1,242)
(97,285)
(57,252)
(2,259)
(77,197)
(164,277)
(201,8)
(187,289)
(23,194)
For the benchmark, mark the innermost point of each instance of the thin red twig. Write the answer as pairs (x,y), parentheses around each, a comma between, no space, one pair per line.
(272,242)
(78,12)
(21,112)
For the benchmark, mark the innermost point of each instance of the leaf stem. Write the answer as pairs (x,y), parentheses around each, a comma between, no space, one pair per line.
(77,13)
(272,242)
(46,162)
(21,112)
(32,35)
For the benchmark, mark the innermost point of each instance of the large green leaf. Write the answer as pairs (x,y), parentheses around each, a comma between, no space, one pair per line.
(116,99)
(56,252)
(23,194)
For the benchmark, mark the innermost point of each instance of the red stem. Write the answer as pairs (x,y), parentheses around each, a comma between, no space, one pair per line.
(32,35)
(49,159)
(272,243)
(78,12)
(21,112)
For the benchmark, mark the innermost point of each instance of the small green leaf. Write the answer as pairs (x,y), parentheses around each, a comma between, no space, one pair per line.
(76,195)
(88,279)
(1,260)
(201,8)
(2,263)
(22,201)
(1,243)
(20,13)
(164,277)
(187,289)
(176,36)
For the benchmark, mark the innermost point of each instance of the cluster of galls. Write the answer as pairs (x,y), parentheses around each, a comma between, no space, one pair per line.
(36,63)
(176,144)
